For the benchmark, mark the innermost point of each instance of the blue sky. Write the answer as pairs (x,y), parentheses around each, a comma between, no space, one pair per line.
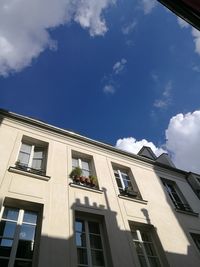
(112,70)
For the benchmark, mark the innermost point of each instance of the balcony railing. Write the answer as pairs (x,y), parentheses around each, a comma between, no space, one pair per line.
(25,168)
(182,206)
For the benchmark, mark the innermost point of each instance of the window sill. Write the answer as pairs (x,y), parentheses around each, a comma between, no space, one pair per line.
(133,199)
(28,173)
(188,212)
(99,191)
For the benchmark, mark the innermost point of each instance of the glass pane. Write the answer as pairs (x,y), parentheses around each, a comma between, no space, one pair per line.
(26,148)
(119,184)
(134,235)
(38,153)
(25,249)
(142,261)
(85,173)
(22,264)
(11,214)
(37,164)
(3,263)
(149,249)
(27,232)
(97,258)
(79,226)
(93,227)
(154,262)
(80,240)
(30,217)
(125,176)
(5,247)
(85,165)
(95,241)
(138,247)
(74,163)
(7,229)
(82,256)
(24,158)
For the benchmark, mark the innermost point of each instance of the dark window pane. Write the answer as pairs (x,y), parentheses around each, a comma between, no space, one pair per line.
(25,249)
(97,258)
(5,247)
(138,248)
(82,256)
(149,249)
(93,227)
(154,262)
(27,232)
(7,229)
(142,261)
(80,240)
(79,226)
(30,217)
(3,263)
(11,214)
(22,264)
(119,184)
(95,241)
(146,236)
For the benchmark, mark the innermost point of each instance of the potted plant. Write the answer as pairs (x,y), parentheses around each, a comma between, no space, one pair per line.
(82,179)
(76,174)
(93,180)
(87,180)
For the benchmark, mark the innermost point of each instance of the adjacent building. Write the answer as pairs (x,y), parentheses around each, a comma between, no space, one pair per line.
(68,201)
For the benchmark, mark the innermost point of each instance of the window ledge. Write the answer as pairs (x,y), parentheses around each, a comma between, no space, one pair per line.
(134,199)
(28,173)
(99,191)
(188,212)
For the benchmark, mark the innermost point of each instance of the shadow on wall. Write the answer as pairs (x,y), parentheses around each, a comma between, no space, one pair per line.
(177,227)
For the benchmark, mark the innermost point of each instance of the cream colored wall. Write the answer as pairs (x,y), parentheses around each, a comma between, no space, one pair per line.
(57,247)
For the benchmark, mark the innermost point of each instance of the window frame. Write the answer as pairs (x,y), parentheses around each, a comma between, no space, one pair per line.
(193,236)
(34,145)
(87,219)
(80,164)
(182,204)
(139,229)
(16,236)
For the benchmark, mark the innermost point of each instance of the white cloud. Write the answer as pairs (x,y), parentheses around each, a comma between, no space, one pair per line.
(182,23)
(196,35)
(109,89)
(119,66)
(24,26)
(165,99)
(183,140)
(129,28)
(148,5)
(131,145)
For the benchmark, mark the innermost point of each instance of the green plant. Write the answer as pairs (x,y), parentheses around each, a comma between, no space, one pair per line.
(76,172)
(93,180)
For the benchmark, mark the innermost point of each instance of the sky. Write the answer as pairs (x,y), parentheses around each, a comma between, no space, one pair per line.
(124,72)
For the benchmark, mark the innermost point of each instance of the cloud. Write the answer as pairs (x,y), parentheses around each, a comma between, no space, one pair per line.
(148,5)
(111,83)
(129,28)
(183,142)
(182,23)
(109,89)
(196,35)
(119,66)
(131,145)
(25,25)
(165,99)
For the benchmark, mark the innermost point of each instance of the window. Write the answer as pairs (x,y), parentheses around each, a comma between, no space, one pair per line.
(83,164)
(89,243)
(196,239)
(126,185)
(32,157)
(145,246)
(17,237)
(176,196)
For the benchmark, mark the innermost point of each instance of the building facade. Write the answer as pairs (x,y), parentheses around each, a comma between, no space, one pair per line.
(68,201)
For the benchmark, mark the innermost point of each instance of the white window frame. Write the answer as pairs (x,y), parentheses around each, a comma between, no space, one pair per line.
(16,237)
(142,242)
(31,158)
(80,160)
(88,248)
